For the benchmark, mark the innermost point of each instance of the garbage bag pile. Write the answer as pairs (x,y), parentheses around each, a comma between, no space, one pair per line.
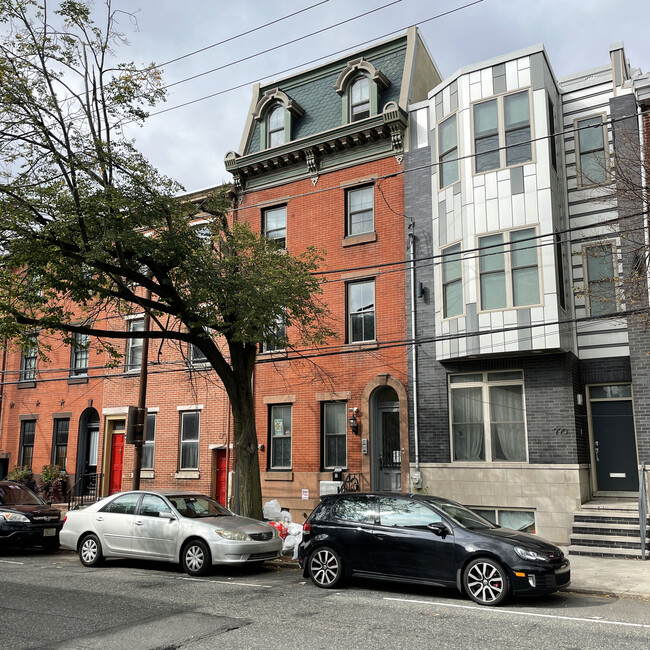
(290,532)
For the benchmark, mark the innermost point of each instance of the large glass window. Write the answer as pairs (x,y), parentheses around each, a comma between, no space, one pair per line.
(278,333)
(134,346)
(509,275)
(275,225)
(360,99)
(275,127)
(280,435)
(28,360)
(60,442)
(149,442)
(189,440)
(27,433)
(448,151)
(591,155)
(335,435)
(601,279)
(405,513)
(79,355)
(488,416)
(361,311)
(502,132)
(360,211)
(452,282)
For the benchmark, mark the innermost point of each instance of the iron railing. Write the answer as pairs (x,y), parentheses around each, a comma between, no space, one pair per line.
(643,510)
(351,483)
(84,491)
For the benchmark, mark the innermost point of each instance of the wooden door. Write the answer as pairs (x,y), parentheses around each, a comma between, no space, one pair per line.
(219,475)
(117,463)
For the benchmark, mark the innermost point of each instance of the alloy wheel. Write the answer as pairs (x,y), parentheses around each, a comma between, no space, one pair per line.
(325,568)
(486,582)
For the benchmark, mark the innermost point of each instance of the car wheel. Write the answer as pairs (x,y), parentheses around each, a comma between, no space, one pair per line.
(195,558)
(325,568)
(90,551)
(486,582)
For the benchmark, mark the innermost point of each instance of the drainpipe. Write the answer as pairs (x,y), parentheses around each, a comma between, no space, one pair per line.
(414,358)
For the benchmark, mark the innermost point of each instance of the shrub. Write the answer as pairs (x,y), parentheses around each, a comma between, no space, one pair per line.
(24,476)
(52,483)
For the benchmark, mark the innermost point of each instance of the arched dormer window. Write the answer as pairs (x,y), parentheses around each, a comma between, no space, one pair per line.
(359,99)
(275,127)
(275,111)
(359,85)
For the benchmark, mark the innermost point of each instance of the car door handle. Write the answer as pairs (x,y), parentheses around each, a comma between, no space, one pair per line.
(378,535)
(139,522)
(99,518)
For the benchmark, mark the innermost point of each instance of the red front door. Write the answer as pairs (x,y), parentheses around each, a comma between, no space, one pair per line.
(220,475)
(117,463)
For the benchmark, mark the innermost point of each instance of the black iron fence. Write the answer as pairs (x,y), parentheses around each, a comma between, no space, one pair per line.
(86,490)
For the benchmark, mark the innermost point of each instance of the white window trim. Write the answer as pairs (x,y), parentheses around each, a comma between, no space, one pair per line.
(324,435)
(180,441)
(508,268)
(129,344)
(487,428)
(281,468)
(502,131)
(462,281)
(348,313)
(606,151)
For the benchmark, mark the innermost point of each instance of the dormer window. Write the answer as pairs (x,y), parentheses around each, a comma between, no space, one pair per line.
(275,128)
(360,99)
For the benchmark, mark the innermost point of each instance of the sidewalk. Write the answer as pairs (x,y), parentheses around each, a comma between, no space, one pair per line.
(589,575)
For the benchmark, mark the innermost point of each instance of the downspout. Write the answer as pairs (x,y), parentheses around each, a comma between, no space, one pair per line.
(414,358)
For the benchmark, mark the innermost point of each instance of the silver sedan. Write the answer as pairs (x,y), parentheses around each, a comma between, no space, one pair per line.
(184,527)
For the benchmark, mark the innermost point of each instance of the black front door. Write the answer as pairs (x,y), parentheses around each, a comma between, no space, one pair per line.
(614,446)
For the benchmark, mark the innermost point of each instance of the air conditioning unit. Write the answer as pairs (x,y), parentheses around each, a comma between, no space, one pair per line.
(329,487)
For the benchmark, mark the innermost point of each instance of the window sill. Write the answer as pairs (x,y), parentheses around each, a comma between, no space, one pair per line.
(363,345)
(77,380)
(147,473)
(364,238)
(26,384)
(275,475)
(188,474)
(274,354)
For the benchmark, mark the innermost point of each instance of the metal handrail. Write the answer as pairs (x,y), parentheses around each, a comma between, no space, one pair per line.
(84,491)
(351,483)
(643,510)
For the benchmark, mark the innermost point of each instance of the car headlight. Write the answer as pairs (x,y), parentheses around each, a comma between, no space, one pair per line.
(14,516)
(528,554)
(234,535)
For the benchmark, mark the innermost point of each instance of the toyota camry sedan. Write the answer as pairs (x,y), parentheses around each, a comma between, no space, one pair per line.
(184,527)
(426,540)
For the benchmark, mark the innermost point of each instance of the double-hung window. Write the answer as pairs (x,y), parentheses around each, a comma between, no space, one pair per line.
(448,151)
(28,360)
(280,434)
(361,311)
(335,435)
(452,282)
(601,279)
(276,127)
(27,433)
(502,132)
(360,210)
(79,355)
(275,225)
(134,346)
(509,275)
(60,442)
(197,356)
(149,442)
(278,333)
(488,420)
(591,155)
(189,440)
(360,99)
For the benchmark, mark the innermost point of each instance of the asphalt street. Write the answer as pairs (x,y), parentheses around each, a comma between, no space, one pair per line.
(48,600)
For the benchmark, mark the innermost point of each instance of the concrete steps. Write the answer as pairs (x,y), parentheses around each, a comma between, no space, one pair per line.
(608,529)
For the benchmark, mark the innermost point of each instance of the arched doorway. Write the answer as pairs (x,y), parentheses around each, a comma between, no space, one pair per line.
(386,461)
(87,448)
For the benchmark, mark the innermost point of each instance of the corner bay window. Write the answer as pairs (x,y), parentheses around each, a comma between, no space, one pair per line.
(509,276)
(488,417)
(502,132)
(335,435)
(280,434)
(189,452)
(361,311)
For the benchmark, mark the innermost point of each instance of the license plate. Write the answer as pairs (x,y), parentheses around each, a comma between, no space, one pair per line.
(49,532)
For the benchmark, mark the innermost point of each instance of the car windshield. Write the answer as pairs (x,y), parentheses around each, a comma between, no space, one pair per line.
(195,505)
(18,495)
(462,515)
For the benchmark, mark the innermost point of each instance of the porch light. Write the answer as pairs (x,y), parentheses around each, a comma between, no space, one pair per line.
(353,422)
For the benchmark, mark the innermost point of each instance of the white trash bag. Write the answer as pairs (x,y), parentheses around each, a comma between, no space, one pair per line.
(272,510)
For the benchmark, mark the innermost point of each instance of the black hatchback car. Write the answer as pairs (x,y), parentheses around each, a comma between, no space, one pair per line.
(426,540)
(25,519)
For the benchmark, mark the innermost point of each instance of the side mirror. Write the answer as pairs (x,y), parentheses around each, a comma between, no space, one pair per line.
(438,528)
(167,515)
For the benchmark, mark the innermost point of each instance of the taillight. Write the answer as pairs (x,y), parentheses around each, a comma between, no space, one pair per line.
(306,528)
(64,518)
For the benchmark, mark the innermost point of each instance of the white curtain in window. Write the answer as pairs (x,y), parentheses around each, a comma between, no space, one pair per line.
(517,520)
(507,421)
(467,413)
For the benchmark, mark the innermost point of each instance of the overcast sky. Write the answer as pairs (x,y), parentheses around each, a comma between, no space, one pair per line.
(189,143)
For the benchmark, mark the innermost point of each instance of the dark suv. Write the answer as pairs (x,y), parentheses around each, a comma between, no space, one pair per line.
(25,519)
(427,540)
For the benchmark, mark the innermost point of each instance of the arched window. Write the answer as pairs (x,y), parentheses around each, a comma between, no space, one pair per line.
(275,129)
(360,99)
